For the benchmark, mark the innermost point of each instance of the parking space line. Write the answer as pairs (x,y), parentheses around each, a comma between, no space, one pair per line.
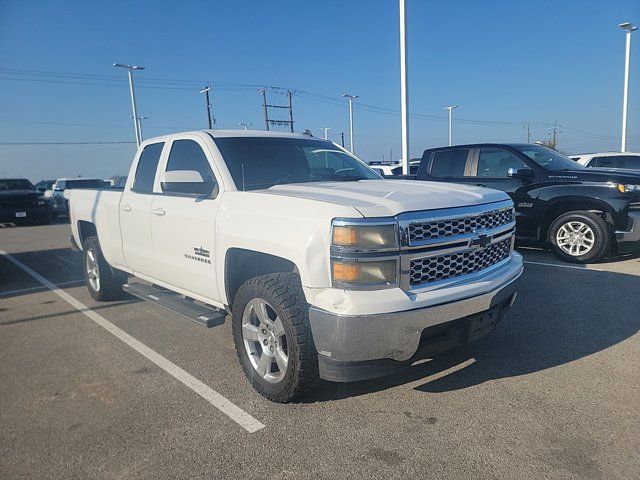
(564,266)
(41,287)
(235,413)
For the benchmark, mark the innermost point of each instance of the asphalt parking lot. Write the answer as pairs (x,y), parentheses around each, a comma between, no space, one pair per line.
(555,393)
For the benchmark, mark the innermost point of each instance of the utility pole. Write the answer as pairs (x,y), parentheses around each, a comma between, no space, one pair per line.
(264,105)
(326,135)
(136,122)
(554,139)
(342,138)
(290,94)
(270,121)
(351,98)
(210,118)
(404,88)
(390,155)
(528,127)
(450,108)
(625,97)
(245,124)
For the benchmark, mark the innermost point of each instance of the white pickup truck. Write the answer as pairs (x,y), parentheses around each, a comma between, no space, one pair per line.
(327,269)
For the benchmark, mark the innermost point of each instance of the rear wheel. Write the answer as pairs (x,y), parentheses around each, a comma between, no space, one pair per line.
(272,336)
(103,282)
(580,237)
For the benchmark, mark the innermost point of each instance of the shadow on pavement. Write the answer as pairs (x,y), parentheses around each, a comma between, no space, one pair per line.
(558,318)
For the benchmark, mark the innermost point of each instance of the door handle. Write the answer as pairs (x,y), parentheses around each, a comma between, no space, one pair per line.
(158,211)
(126,208)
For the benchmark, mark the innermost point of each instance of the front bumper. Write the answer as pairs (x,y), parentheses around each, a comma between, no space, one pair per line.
(633,234)
(366,346)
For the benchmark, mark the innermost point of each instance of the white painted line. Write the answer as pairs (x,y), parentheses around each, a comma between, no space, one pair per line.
(565,266)
(153,297)
(31,289)
(231,410)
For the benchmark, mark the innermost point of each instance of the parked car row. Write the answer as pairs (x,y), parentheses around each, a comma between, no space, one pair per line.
(21,202)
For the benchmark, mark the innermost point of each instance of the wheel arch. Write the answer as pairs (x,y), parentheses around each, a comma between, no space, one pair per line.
(241,265)
(85,230)
(562,206)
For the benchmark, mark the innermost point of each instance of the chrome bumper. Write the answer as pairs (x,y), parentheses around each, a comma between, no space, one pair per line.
(396,335)
(632,235)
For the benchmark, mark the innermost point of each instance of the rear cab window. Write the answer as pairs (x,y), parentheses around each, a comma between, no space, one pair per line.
(449,163)
(147,167)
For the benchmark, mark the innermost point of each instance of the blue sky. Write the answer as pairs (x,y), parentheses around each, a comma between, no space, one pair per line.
(503,62)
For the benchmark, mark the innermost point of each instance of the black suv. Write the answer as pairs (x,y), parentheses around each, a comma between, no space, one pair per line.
(580,212)
(20,202)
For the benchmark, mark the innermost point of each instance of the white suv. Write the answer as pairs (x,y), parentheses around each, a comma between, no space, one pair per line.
(627,160)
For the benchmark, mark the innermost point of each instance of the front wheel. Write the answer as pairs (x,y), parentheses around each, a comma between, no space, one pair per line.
(272,336)
(580,237)
(103,282)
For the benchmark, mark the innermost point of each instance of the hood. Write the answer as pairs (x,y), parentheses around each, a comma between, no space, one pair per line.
(375,198)
(600,174)
(17,194)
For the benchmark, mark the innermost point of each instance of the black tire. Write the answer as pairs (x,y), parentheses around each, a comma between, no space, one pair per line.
(600,233)
(109,286)
(283,293)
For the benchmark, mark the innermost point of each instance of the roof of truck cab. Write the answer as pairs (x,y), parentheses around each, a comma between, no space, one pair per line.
(257,133)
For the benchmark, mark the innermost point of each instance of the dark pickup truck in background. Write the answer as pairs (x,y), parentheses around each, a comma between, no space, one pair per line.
(581,213)
(21,203)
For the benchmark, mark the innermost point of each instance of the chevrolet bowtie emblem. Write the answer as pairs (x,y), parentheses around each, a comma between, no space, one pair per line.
(481,241)
(201,252)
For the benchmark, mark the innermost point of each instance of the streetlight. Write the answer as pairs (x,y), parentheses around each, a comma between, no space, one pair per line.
(139,123)
(351,99)
(136,122)
(326,135)
(244,124)
(629,28)
(404,88)
(450,108)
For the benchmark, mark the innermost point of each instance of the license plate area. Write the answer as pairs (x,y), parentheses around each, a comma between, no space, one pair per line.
(482,325)
(21,214)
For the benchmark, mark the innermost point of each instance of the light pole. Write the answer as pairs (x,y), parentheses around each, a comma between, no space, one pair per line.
(210,118)
(351,99)
(326,135)
(139,123)
(136,122)
(629,28)
(450,108)
(404,89)
(244,124)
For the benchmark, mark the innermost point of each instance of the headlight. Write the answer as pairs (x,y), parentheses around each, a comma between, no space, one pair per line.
(628,188)
(364,237)
(364,273)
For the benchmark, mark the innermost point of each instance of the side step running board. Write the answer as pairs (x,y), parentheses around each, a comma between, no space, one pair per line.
(205,316)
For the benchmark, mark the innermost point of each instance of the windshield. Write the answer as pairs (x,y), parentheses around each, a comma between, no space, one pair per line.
(15,184)
(89,183)
(261,162)
(549,159)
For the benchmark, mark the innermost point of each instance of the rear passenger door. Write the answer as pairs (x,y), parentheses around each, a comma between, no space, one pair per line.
(135,212)
(183,224)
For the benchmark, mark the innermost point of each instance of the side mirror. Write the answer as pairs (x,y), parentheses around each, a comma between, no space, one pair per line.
(58,189)
(186,182)
(521,173)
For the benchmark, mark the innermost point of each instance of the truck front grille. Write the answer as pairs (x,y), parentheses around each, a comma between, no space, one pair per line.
(442,267)
(420,231)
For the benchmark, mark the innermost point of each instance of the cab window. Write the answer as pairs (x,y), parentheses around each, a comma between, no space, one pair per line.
(147,166)
(449,163)
(496,162)
(188,155)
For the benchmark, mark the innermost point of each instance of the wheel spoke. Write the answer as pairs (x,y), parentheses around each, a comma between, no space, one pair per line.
(260,307)
(264,365)
(278,328)
(250,332)
(281,360)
